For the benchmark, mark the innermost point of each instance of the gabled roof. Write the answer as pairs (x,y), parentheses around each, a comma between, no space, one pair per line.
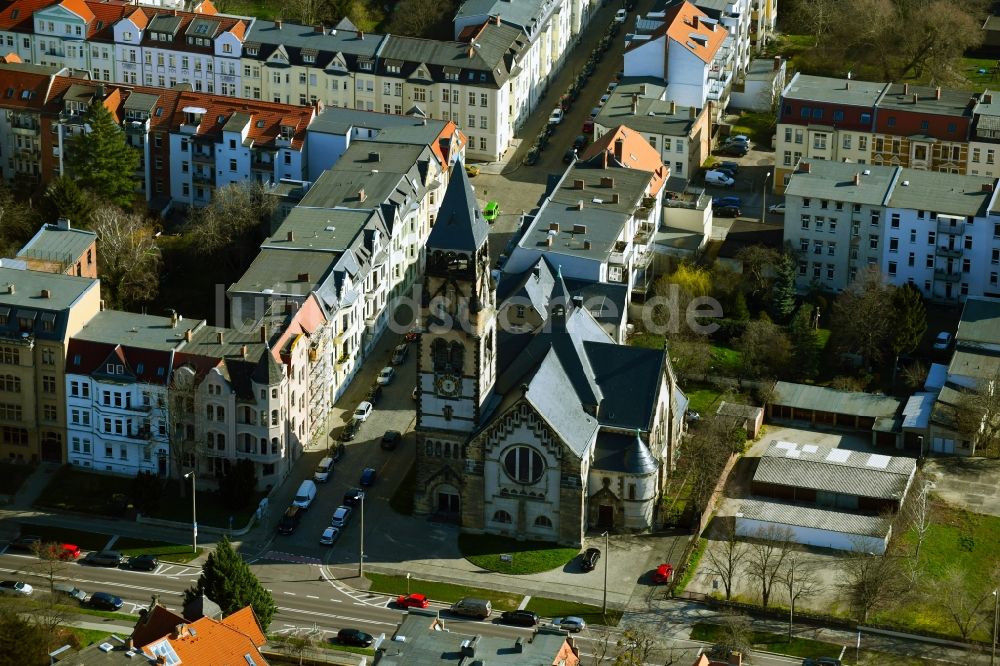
(17,16)
(265,118)
(635,153)
(157,623)
(690,28)
(232,642)
(460,224)
(268,370)
(78,7)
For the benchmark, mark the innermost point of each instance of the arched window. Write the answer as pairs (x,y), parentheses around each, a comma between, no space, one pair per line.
(211,440)
(543,521)
(524,464)
(220,442)
(428,447)
(456,352)
(502,516)
(439,354)
(274,417)
(209,412)
(437,448)
(447,449)
(263,446)
(220,414)
(274,446)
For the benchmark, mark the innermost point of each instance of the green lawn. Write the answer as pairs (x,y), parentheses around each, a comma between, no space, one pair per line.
(758,125)
(168,552)
(980,81)
(87,637)
(86,540)
(703,398)
(692,566)
(779,643)
(822,337)
(726,359)
(12,476)
(527,557)
(445,592)
(402,499)
(647,340)
(559,608)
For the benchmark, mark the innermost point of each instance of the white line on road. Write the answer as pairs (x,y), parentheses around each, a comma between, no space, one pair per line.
(336,617)
(311,596)
(291,594)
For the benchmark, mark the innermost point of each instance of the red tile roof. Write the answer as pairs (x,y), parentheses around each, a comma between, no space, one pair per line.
(25,86)
(683,24)
(139,18)
(206,7)
(10,57)
(208,641)
(104,15)
(78,7)
(636,153)
(266,118)
(18,14)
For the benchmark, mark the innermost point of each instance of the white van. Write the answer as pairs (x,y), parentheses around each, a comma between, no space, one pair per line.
(323,470)
(471,607)
(718,178)
(305,495)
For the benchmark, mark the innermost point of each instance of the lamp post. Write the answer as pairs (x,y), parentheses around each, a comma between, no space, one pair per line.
(607,554)
(194,508)
(361,542)
(996,617)
(763,199)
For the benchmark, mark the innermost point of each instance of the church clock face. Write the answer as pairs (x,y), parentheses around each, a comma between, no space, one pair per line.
(447,385)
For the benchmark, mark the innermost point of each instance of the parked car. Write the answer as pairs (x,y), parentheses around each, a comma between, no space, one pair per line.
(732,166)
(604,99)
(385,377)
(588,126)
(556,116)
(611,87)
(391,439)
(571,624)
(621,15)
(363,411)
(27,543)
(727,211)
(71,591)
(337,452)
(354,637)
(663,574)
(728,172)
(412,335)
(412,601)
(290,520)
(738,138)
(735,149)
(569,155)
(727,201)
(64,551)
(340,516)
(942,341)
(104,558)
(374,393)
(323,470)
(777,209)
(328,536)
(821,661)
(16,587)
(594,111)
(519,618)
(367,476)
(719,178)
(532,157)
(471,170)
(491,211)
(105,601)
(399,354)
(143,563)
(580,142)
(353,497)
(589,559)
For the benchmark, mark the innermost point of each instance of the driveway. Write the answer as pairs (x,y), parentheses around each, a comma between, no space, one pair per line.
(970,483)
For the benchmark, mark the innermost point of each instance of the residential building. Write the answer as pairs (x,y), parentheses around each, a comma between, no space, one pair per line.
(39,313)
(422,639)
(683,47)
(599,222)
(235,639)
(763,20)
(737,18)
(923,128)
(24,135)
(760,88)
(984,139)
(531,435)
(59,248)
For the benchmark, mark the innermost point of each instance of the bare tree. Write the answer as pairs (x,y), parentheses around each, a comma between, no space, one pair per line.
(871,582)
(800,581)
(766,559)
(51,563)
(602,648)
(765,350)
(185,447)
(726,559)
(737,636)
(859,317)
(758,268)
(711,444)
(918,515)
(231,227)
(128,257)
(977,415)
(635,646)
(964,604)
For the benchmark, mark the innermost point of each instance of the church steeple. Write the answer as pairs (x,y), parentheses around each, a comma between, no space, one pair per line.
(460,225)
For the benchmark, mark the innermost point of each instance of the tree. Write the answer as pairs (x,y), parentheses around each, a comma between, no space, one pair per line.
(783,291)
(635,646)
(230,228)
(870,582)
(977,415)
(227,580)
(101,161)
(22,642)
(804,342)
(766,558)
(726,559)
(859,317)
(18,222)
(691,358)
(962,602)
(918,514)
(737,636)
(128,257)
(706,453)
(50,564)
(417,18)
(186,450)
(238,484)
(64,198)
(909,322)
(764,349)
(739,310)
(147,490)
(800,581)
(758,262)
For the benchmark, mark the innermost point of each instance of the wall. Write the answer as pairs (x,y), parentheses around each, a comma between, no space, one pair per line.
(811,536)
(687,77)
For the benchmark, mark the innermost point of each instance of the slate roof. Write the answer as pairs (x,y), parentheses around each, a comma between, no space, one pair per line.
(48,315)
(136,330)
(551,392)
(652,114)
(623,452)
(629,379)
(156,623)
(947,102)
(807,87)
(268,370)
(808,516)
(832,470)
(489,63)
(947,193)
(822,399)
(835,180)
(460,224)
(343,40)
(980,322)
(522,13)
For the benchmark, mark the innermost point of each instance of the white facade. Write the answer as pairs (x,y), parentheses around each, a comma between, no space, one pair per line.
(815,536)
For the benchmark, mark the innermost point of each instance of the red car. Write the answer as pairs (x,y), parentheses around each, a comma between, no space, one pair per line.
(663,574)
(65,551)
(412,601)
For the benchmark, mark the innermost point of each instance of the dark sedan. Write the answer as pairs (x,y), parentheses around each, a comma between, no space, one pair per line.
(589,559)
(519,618)
(143,562)
(354,496)
(104,558)
(105,601)
(354,637)
(728,211)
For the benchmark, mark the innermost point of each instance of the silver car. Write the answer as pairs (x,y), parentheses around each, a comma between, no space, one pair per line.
(329,535)
(340,517)
(71,591)
(571,624)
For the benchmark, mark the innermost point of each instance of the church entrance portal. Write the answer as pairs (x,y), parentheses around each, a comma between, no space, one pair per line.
(448,504)
(605,517)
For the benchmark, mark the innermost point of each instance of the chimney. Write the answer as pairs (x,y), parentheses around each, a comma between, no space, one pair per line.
(857,178)
(219,337)
(692,112)
(45,293)
(361,35)
(519,645)
(619,149)
(63,224)
(187,335)
(173,319)
(303,277)
(694,21)
(777,63)
(361,194)
(579,228)
(987,98)
(906,88)
(290,237)
(178,631)
(318,28)
(554,226)
(495,20)
(673,108)
(937,93)
(548,241)
(614,198)
(642,89)
(470,52)
(847,84)
(987,187)
(587,245)
(277,23)
(607,181)
(736,659)
(805,167)
(129,644)
(635,103)
(916,97)
(243,351)
(579,204)
(373,157)
(579,184)
(263,333)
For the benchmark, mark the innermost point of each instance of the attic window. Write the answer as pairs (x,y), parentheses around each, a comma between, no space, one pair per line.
(138,369)
(252,50)
(14,14)
(10,92)
(482,76)
(159,111)
(100,25)
(201,29)
(308,58)
(220,119)
(260,123)
(160,372)
(27,94)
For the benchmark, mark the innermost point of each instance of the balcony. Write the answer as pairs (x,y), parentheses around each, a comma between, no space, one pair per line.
(24,128)
(947,276)
(135,127)
(28,152)
(202,157)
(950,252)
(951,226)
(262,165)
(617,255)
(201,177)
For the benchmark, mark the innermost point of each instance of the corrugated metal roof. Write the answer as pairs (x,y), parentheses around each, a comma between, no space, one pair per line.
(822,399)
(827,469)
(917,412)
(813,517)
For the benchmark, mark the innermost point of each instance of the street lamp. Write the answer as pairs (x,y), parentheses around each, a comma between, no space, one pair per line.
(763,199)
(996,616)
(194,508)
(607,554)
(361,543)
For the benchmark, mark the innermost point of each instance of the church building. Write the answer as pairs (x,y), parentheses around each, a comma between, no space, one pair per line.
(539,434)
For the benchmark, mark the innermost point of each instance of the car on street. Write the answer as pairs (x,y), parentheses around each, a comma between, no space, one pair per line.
(519,618)
(777,209)
(719,178)
(531,159)
(340,516)
(367,476)
(349,431)
(942,341)
(391,439)
(739,138)
(735,149)
(374,393)
(71,591)
(491,211)
(17,587)
(556,116)
(354,637)
(727,211)
(727,201)
(604,100)
(412,335)
(571,623)
(594,111)
(588,126)
(663,574)
(580,142)
(363,411)
(731,166)
(386,376)
(63,551)
(399,354)
(28,542)
(589,559)
(104,558)
(353,497)
(621,15)
(143,563)
(821,661)
(105,601)
(611,87)
(329,535)
(412,601)
(471,170)
(569,155)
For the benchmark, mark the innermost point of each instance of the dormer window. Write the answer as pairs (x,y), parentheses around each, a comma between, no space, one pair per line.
(309,58)
(366,65)
(393,69)
(252,50)
(287,132)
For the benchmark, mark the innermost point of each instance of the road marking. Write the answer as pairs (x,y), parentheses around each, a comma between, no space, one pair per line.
(311,596)
(279,556)
(524,603)
(291,594)
(338,601)
(336,617)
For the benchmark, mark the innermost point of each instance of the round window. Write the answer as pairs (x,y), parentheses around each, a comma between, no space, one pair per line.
(523,464)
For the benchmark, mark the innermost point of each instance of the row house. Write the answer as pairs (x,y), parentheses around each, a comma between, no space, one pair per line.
(873,123)
(937,231)
(984,139)
(39,314)
(685,48)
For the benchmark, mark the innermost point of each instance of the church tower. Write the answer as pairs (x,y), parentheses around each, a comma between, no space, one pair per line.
(456,366)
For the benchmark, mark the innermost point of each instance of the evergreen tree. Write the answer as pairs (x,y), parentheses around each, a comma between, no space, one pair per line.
(740,310)
(101,161)
(783,291)
(805,344)
(227,580)
(64,198)
(909,319)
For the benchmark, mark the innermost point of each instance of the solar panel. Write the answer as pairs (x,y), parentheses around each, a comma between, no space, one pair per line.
(785,445)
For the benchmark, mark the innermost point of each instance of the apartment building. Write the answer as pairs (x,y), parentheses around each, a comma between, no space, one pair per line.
(922,128)
(59,248)
(39,313)
(763,19)
(683,47)
(736,17)
(937,231)
(984,139)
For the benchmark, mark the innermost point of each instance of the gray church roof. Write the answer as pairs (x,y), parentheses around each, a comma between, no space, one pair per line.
(552,393)
(460,224)
(268,370)
(621,452)
(628,377)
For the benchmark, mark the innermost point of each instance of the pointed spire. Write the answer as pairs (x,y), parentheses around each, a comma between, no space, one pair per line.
(460,224)
(268,371)
(638,459)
